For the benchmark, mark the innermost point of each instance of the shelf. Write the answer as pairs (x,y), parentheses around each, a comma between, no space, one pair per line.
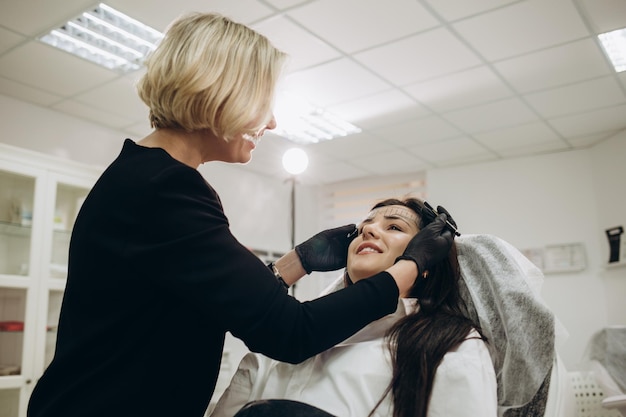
(14,229)
(62,233)
(10,370)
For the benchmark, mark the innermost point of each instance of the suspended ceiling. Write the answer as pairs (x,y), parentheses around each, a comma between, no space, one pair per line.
(432,83)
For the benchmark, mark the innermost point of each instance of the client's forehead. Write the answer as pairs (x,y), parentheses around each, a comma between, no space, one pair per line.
(393,212)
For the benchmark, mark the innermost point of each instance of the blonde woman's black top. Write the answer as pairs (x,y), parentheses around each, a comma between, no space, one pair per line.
(155,281)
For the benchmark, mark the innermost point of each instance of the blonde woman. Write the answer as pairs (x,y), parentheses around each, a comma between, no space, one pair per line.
(156,278)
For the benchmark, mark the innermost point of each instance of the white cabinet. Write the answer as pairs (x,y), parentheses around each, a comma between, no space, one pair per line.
(39,199)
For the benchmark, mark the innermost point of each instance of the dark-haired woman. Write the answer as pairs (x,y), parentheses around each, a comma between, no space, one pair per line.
(425,360)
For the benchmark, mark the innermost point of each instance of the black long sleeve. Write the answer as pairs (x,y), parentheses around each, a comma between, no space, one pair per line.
(156,279)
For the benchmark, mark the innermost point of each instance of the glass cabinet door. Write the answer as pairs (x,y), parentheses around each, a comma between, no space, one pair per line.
(39,199)
(68,201)
(64,199)
(16,218)
(12,317)
(19,194)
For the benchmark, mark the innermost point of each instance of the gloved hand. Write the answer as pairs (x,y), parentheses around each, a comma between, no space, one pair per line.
(431,245)
(440,210)
(327,250)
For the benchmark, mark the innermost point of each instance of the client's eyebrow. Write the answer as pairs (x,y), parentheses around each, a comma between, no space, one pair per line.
(398,217)
(391,216)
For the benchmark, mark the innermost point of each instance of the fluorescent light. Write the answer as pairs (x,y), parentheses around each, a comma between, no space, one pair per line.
(614,44)
(304,123)
(106,37)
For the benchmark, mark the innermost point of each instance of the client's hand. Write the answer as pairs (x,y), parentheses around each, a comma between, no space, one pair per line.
(431,245)
(327,250)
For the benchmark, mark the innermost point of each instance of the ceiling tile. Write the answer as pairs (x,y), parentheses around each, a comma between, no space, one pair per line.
(495,115)
(604,15)
(590,140)
(33,18)
(354,25)
(9,39)
(588,95)
(352,146)
(27,93)
(317,159)
(451,150)
(333,83)
(159,17)
(553,67)
(119,97)
(523,27)
(535,149)
(517,137)
(390,163)
(62,73)
(603,120)
(424,130)
(454,9)
(622,77)
(285,4)
(78,109)
(381,108)
(416,58)
(461,89)
(334,172)
(304,49)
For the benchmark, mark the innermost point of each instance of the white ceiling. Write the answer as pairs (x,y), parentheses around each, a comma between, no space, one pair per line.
(432,83)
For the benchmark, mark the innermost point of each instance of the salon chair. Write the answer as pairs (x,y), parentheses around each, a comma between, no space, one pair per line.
(606,356)
(501,288)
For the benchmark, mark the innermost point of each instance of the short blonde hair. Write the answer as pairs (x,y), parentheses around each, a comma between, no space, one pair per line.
(209,72)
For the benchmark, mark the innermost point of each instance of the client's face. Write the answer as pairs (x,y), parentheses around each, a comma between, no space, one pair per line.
(383,236)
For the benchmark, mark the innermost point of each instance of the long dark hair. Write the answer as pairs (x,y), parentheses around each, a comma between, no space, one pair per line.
(419,341)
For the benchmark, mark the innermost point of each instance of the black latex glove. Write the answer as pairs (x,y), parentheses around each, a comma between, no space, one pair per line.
(430,246)
(327,250)
(440,210)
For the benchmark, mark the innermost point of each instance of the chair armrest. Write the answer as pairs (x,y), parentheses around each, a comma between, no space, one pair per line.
(616,402)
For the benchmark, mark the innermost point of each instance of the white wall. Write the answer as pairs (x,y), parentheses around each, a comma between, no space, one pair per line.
(551,199)
(609,167)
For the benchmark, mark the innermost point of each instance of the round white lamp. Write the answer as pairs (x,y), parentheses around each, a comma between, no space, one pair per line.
(295,161)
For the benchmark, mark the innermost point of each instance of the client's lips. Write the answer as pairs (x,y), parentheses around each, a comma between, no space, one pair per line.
(368,247)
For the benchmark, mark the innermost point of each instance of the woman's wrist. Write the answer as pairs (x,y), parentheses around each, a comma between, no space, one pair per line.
(289,268)
(404,272)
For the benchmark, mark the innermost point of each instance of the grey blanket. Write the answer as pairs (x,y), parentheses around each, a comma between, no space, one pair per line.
(501,289)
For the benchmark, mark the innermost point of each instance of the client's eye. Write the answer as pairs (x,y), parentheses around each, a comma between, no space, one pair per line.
(395,227)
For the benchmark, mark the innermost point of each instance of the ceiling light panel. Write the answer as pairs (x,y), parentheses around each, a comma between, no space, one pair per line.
(614,44)
(106,37)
